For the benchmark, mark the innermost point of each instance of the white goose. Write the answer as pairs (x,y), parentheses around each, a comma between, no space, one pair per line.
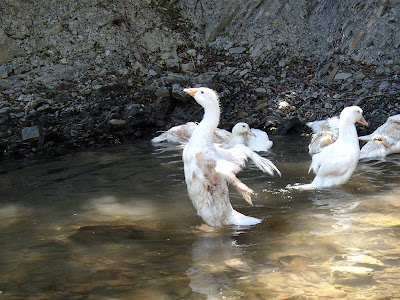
(320,140)
(208,168)
(330,124)
(335,164)
(182,133)
(325,132)
(391,129)
(379,147)
(177,134)
(241,133)
(259,140)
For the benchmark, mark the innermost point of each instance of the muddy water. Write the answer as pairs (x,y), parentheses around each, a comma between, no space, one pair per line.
(117,224)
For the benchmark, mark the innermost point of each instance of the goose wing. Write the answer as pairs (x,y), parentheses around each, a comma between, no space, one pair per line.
(215,169)
(239,155)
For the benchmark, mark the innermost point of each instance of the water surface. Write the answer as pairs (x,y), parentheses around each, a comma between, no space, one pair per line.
(117,224)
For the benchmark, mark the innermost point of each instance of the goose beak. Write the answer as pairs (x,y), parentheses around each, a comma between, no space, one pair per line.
(249,132)
(191,92)
(362,121)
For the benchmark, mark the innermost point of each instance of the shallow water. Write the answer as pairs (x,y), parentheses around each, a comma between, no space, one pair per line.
(117,224)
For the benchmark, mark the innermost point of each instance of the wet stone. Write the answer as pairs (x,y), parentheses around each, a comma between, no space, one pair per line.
(361,259)
(310,276)
(350,274)
(331,292)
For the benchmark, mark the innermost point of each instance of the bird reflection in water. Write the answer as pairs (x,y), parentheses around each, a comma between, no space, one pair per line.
(216,257)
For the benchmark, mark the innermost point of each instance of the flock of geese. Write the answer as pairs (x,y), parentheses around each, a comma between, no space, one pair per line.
(212,157)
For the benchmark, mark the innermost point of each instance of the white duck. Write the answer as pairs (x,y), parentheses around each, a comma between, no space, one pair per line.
(335,164)
(208,168)
(379,147)
(391,129)
(325,132)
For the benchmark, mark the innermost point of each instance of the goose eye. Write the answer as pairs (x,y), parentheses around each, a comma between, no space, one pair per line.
(202,92)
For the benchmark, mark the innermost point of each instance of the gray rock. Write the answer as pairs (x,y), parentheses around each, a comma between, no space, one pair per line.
(186,68)
(243,72)
(220,25)
(205,79)
(384,85)
(123,71)
(117,122)
(380,70)
(282,63)
(5,110)
(162,92)
(260,92)
(153,72)
(178,93)
(62,98)
(4,54)
(342,76)
(5,71)
(31,133)
(173,64)
(173,78)
(191,52)
(139,68)
(359,76)
(237,50)
(168,55)
(36,103)
(44,107)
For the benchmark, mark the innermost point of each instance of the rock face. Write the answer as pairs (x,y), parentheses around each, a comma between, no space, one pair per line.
(320,28)
(71,67)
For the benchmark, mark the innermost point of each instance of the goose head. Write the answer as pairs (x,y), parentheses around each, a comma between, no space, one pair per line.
(351,115)
(204,96)
(395,122)
(384,140)
(242,129)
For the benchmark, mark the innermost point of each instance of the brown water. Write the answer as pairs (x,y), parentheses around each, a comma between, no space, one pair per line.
(117,224)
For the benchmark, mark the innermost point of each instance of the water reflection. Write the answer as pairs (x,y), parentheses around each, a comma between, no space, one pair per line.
(214,255)
(118,224)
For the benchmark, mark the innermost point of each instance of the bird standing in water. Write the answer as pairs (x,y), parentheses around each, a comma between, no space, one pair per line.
(335,164)
(209,168)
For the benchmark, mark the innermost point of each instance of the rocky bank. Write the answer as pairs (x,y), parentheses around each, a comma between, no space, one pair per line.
(81,74)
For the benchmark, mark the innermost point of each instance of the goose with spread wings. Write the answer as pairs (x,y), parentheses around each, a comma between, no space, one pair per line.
(209,168)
